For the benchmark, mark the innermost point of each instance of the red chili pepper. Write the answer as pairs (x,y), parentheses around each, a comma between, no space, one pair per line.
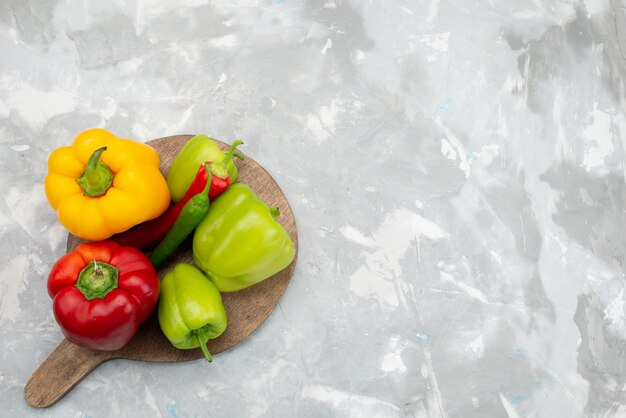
(152,232)
(102,293)
(220,178)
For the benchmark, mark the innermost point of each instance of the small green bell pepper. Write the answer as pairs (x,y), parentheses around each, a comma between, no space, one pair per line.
(198,150)
(239,243)
(190,309)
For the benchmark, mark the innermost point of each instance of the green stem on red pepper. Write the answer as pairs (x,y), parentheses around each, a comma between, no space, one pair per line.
(197,150)
(221,178)
(96,280)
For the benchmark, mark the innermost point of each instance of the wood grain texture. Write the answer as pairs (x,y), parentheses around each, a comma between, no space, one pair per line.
(246,309)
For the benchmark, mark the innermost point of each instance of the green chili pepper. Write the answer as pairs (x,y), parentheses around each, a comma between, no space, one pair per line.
(239,243)
(193,212)
(191,311)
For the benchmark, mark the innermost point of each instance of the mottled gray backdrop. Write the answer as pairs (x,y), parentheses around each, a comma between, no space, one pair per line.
(456,169)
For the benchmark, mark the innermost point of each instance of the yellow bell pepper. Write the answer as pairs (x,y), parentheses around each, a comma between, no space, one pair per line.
(102,185)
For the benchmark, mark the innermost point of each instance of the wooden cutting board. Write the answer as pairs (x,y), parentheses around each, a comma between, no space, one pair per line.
(246,309)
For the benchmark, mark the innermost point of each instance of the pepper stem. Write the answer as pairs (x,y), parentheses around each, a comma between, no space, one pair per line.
(275,212)
(97,177)
(209,178)
(96,280)
(205,350)
(231,151)
(221,169)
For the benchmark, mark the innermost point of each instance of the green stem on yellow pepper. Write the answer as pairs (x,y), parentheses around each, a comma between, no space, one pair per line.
(97,177)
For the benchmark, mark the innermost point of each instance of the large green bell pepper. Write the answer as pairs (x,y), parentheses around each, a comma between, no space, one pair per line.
(239,243)
(198,150)
(190,309)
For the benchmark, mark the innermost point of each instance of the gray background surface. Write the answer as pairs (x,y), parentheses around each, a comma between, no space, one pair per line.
(456,169)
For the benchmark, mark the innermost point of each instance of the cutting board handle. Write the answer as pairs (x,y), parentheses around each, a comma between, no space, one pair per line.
(67,365)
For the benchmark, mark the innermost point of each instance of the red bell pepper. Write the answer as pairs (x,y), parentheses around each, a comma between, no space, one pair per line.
(102,292)
(152,232)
